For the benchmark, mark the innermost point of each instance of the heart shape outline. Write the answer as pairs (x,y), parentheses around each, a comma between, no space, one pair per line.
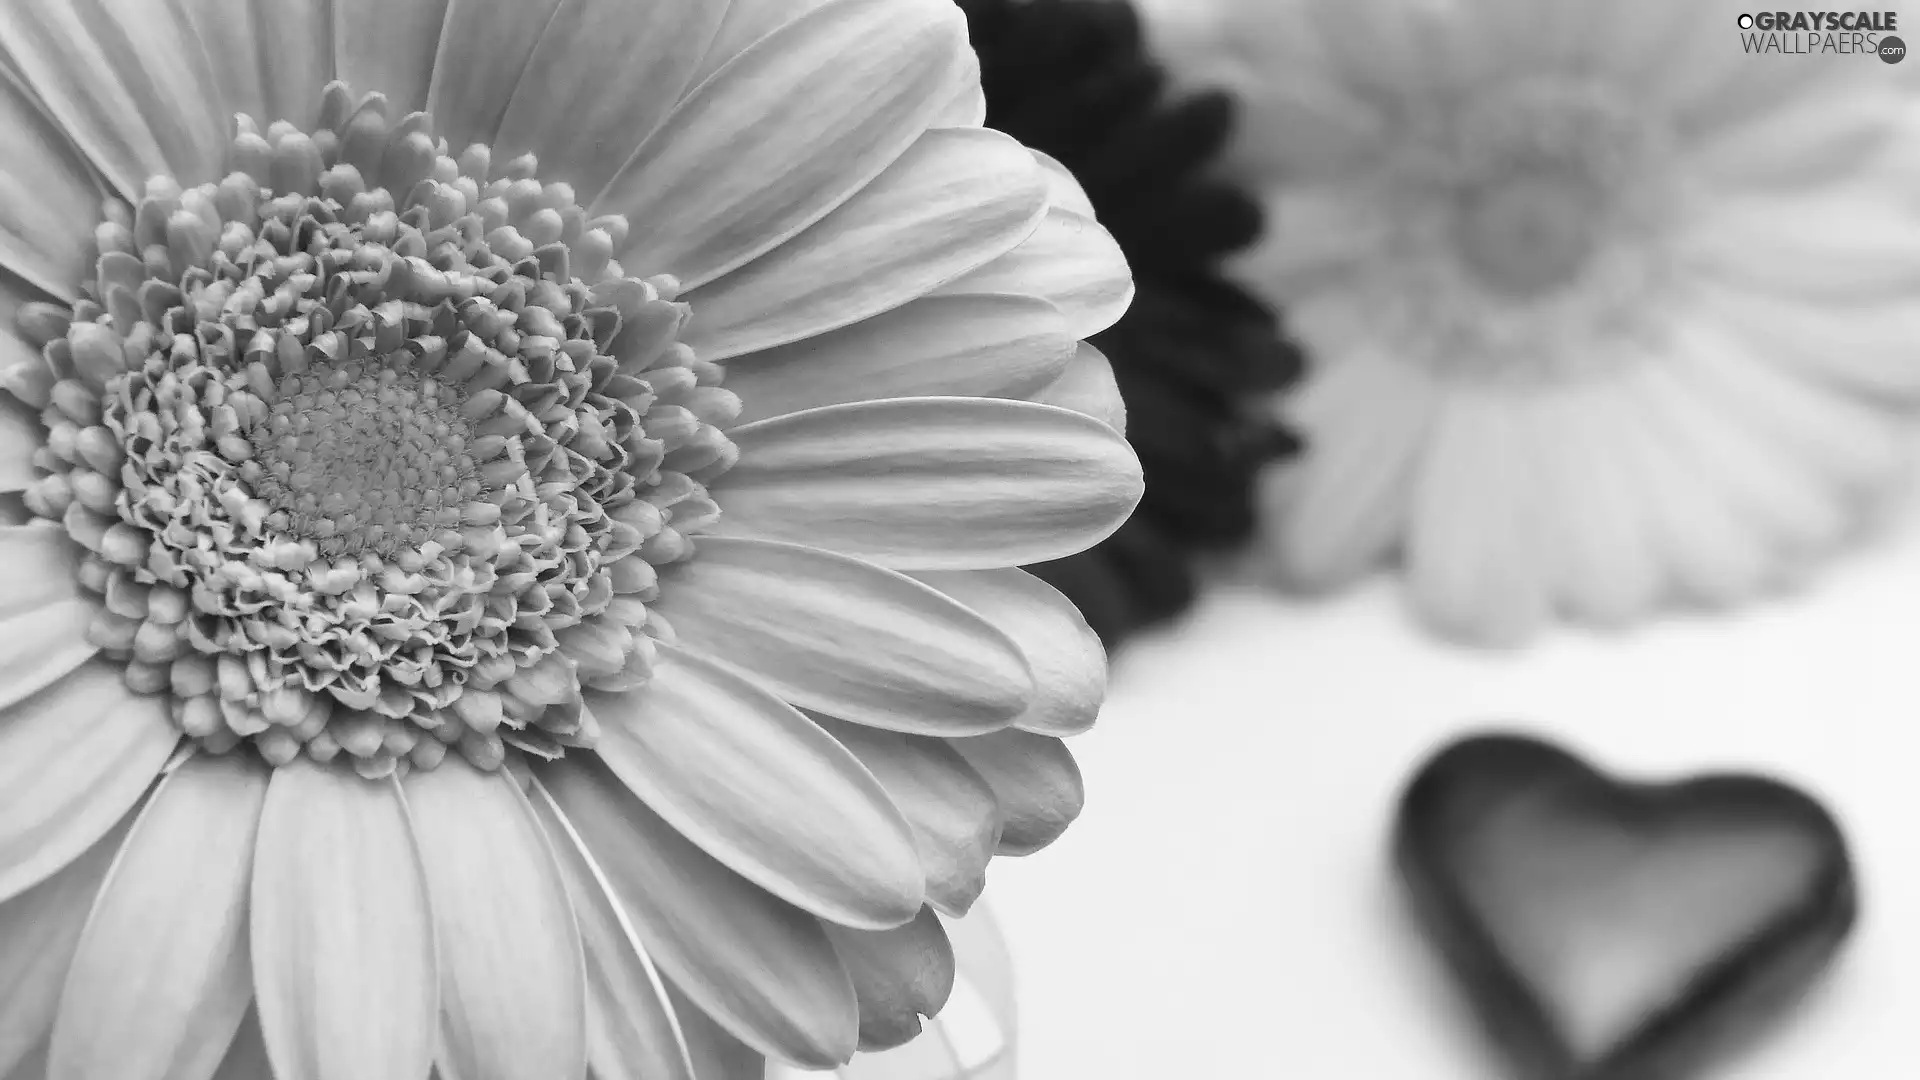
(1753,979)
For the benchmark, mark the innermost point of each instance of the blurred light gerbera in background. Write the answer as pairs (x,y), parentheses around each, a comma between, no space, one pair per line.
(1604,313)
(1194,355)
(412,648)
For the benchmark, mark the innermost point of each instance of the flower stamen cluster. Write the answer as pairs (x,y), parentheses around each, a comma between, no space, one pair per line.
(347,441)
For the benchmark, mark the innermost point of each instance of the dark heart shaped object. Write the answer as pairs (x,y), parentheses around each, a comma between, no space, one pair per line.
(1610,930)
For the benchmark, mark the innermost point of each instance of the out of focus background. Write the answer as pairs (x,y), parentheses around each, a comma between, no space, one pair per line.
(1590,411)
(1225,907)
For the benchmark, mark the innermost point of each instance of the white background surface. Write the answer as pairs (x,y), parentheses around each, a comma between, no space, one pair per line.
(1224,909)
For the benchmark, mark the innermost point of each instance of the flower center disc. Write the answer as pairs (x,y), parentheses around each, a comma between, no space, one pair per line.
(366,461)
(374,450)
(1529,234)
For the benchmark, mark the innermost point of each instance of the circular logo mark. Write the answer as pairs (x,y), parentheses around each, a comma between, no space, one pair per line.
(1892,49)
(1745,21)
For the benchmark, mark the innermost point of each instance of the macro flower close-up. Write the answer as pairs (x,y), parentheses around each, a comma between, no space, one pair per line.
(512,514)
(1607,311)
(1195,356)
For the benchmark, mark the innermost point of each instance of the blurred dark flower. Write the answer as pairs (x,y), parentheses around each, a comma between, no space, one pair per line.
(1074,79)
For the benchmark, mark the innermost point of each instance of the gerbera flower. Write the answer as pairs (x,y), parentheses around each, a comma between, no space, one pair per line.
(1193,354)
(414,652)
(1607,312)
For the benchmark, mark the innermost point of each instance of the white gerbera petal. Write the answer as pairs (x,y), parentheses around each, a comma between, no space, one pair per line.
(512,975)
(73,759)
(342,934)
(1726,460)
(1075,263)
(1036,782)
(844,637)
(1475,554)
(947,483)
(46,198)
(1484,212)
(44,615)
(900,975)
(819,832)
(952,810)
(39,931)
(759,966)
(272,55)
(19,438)
(1840,248)
(958,198)
(633,1032)
(389,44)
(747,22)
(160,979)
(716,1054)
(483,53)
(966,345)
(1087,386)
(129,85)
(1600,565)
(1371,422)
(1063,188)
(784,133)
(1068,662)
(616,71)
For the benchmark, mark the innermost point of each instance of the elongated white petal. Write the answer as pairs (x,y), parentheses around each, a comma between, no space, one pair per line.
(899,975)
(1861,349)
(37,564)
(716,1054)
(512,978)
(342,934)
(844,637)
(1843,246)
(1473,557)
(272,58)
(73,758)
(127,81)
(747,22)
(760,788)
(964,345)
(953,812)
(1599,563)
(388,46)
(968,106)
(482,60)
(1811,141)
(1086,385)
(52,642)
(784,133)
(604,76)
(1068,662)
(20,432)
(958,198)
(161,978)
(1063,188)
(760,966)
(43,613)
(1073,262)
(1035,781)
(48,201)
(633,1031)
(1343,507)
(39,930)
(932,483)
